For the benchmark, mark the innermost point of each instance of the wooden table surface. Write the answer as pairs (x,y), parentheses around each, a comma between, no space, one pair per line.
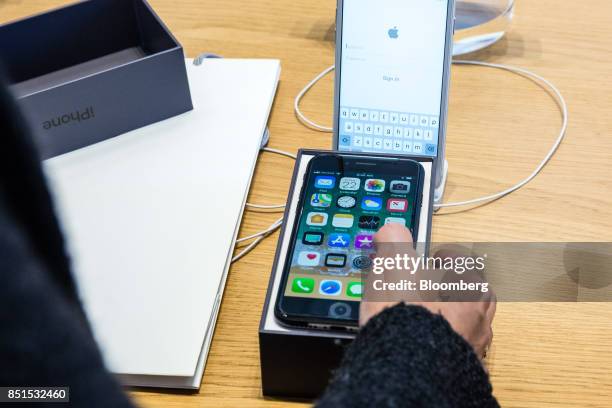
(500,126)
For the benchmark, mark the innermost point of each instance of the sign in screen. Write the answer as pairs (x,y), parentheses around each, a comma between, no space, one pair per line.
(392,67)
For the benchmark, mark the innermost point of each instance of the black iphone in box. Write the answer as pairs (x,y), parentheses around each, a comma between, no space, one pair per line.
(298,362)
(93,70)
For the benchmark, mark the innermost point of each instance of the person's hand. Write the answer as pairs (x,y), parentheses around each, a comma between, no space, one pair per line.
(472,320)
(389,233)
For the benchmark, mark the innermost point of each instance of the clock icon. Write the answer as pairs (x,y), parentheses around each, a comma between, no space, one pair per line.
(347,202)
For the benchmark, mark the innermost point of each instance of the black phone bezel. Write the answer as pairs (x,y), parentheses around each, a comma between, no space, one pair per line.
(319,321)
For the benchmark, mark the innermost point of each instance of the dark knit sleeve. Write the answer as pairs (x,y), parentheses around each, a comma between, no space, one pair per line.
(44,339)
(409,357)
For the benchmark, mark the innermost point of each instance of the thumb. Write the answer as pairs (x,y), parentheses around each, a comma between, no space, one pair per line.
(393,233)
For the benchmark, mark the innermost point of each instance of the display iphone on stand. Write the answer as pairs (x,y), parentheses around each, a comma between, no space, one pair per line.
(393,60)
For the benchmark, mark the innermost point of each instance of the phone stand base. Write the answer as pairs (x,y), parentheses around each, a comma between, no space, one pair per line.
(439,190)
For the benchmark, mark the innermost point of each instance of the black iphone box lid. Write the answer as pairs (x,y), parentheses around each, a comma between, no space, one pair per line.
(93,70)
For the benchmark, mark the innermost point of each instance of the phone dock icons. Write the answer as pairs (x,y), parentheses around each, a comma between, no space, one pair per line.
(303,285)
(330,287)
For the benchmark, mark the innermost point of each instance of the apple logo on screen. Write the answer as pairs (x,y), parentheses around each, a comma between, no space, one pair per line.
(393,33)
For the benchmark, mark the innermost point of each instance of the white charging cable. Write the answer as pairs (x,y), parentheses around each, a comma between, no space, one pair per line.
(296,104)
(542,82)
(278,207)
(260,236)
